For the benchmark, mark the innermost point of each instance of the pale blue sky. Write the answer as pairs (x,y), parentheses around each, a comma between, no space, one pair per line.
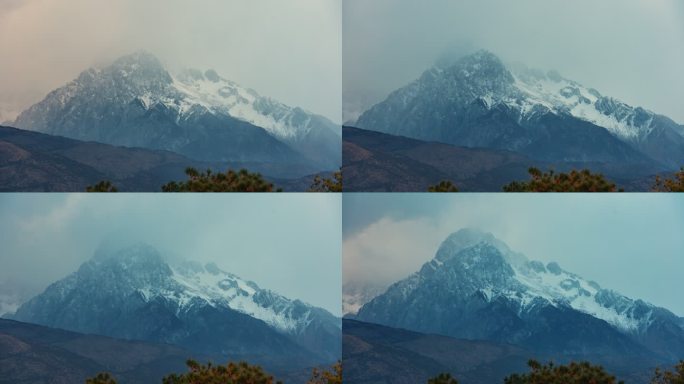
(289,243)
(632,243)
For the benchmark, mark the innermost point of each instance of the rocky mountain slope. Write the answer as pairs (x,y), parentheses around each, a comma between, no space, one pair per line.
(32,161)
(135,293)
(375,161)
(32,354)
(478,101)
(375,353)
(477,288)
(136,102)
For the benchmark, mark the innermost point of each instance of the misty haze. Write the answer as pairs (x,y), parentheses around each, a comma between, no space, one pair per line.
(220,86)
(167,279)
(486,91)
(492,281)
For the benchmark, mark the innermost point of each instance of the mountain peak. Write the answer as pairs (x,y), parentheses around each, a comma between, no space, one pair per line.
(475,288)
(461,239)
(482,65)
(152,298)
(141,57)
(478,101)
(471,57)
(212,76)
(213,268)
(135,102)
(483,55)
(108,251)
(468,233)
(139,72)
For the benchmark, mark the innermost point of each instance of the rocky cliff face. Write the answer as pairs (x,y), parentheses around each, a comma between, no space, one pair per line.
(478,101)
(477,288)
(134,293)
(136,102)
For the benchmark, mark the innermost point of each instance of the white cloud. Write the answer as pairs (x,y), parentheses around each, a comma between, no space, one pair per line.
(389,250)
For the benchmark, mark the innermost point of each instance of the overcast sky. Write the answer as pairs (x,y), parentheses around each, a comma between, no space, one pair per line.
(631,243)
(289,243)
(629,49)
(289,50)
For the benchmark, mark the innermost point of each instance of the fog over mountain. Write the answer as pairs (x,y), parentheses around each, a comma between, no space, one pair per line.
(263,44)
(629,49)
(630,243)
(288,244)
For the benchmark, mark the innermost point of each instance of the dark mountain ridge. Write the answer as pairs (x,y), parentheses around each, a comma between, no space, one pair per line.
(478,101)
(135,294)
(32,161)
(477,288)
(136,102)
(31,354)
(375,161)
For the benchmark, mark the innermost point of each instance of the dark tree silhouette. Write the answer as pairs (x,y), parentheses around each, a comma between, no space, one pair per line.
(101,378)
(102,186)
(324,184)
(442,378)
(675,184)
(443,186)
(333,376)
(575,181)
(573,373)
(669,377)
(231,181)
(231,373)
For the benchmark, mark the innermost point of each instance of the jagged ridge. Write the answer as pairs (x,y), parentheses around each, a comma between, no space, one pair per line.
(123,283)
(478,101)
(135,101)
(476,276)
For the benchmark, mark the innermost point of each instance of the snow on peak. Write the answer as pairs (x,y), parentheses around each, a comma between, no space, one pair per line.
(141,76)
(469,237)
(564,96)
(559,287)
(530,92)
(220,95)
(193,283)
(531,282)
(142,269)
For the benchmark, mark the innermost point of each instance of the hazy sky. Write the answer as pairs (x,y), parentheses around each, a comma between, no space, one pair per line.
(289,50)
(289,243)
(631,243)
(629,49)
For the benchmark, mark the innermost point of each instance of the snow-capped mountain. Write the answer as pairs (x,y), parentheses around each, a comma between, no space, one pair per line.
(136,293)
(220,95)
(476,287)
(478,101)
(135,101)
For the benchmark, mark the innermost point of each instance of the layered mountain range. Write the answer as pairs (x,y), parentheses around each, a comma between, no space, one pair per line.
(136,102)
(477,288)
(478,101)
(32,354)
(374,353)
(135,293)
